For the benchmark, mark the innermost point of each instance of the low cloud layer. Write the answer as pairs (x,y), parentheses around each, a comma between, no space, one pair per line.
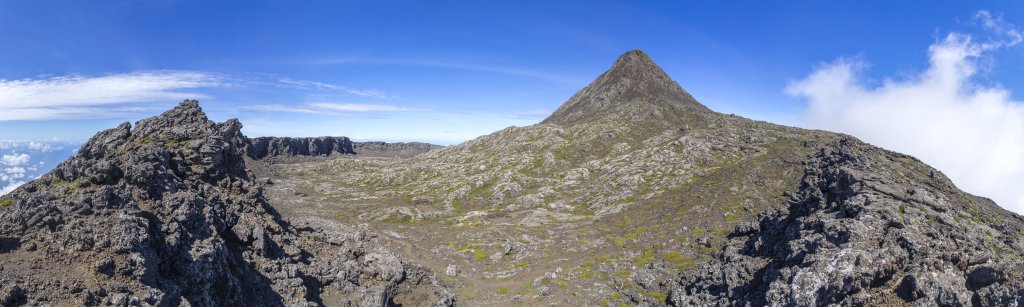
(23,161)
(972,132)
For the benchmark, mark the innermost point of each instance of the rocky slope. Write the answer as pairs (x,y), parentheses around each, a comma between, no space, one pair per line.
(867,227)
(167,214)
(633,193)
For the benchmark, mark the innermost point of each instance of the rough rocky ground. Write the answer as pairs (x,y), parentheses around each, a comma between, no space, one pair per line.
(167,214)
(630,194)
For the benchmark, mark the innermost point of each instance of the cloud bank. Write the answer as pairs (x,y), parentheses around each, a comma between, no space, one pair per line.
(972,132)
(22,161)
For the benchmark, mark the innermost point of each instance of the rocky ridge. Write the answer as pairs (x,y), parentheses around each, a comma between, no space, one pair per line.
(167,214)
(867,227)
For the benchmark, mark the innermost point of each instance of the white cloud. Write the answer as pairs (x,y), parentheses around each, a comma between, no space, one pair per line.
(15,171)
(43,147)
(10,187)
(93,97)
(15,159)
(358,107)
(971,131)
(303,84)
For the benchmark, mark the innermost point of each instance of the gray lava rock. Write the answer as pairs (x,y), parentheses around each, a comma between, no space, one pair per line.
(854,234)
(169,215)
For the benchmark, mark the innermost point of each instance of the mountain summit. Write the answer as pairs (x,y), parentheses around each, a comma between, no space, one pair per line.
(635,88)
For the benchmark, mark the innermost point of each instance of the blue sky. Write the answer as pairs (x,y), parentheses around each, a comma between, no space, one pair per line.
(448,71)
(509,63)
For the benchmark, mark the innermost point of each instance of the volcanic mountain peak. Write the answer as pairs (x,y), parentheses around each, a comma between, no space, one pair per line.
(635,88)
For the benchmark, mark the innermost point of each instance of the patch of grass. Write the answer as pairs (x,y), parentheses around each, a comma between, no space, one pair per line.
(732,217)
(467,293)
(522,265)
(678,260)
(648,257)
(529,290)
(620,242)
(402,219)
(586,271)
(480,254)
(5,201)
(502,290)
(698,232)
(623,223)
(623,274)
(57,181)
(657,296)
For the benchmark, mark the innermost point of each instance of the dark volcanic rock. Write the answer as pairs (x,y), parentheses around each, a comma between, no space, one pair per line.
(167,214)
(868,227)
(263,147)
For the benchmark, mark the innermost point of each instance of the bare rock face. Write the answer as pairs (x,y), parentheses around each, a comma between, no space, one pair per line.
(167,214)
(263,147)
(286,149)
(867,227)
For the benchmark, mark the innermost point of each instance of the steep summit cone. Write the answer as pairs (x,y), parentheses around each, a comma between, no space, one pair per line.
(634,88)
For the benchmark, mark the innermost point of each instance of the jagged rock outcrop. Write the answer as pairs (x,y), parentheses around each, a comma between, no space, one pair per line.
(263,147)
(868,227)
(166,214)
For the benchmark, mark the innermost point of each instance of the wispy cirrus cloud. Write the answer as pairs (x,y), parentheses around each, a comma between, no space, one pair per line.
(329,108)
(305,84)
(77,97)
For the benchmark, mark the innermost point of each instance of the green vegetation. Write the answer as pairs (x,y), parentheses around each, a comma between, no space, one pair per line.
(502,290)
(5,201)
(698,232)
(677,260)
(57,181)
(586,271)
(480,255)
(477,252)
(647,257)
(403,219)
(522,265)
(657,296)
